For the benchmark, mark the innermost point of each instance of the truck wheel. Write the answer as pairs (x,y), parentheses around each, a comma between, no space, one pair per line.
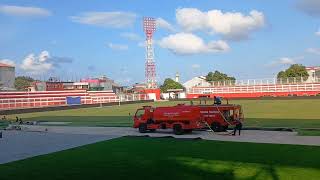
(177,129)
(216,127)
(143,128)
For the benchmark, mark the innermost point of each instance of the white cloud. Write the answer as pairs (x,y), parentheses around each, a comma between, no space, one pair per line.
(43,56)
(191,19)
(131,36)
(310,7)
(118,46)
(187,43)
(231,25)
(314,51)
(8,62)
(286,61)
(42,63)
(37,65)
(195,66)
(24,11)
(106,19)
(161,23)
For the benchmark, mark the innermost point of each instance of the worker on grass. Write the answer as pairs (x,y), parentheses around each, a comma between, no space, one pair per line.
(238,126)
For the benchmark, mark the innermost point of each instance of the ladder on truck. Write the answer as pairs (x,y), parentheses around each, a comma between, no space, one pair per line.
(207,125)
(222,115)
(223,118)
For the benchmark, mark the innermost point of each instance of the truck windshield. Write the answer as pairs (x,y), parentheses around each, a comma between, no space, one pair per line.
(139,112)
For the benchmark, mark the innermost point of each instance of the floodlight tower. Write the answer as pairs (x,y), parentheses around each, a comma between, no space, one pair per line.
(149,27)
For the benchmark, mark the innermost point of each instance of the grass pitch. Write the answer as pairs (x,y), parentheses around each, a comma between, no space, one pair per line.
(299,113)
(146,158)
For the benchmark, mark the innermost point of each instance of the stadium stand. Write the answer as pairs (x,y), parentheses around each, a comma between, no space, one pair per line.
(253,91)
(16,100)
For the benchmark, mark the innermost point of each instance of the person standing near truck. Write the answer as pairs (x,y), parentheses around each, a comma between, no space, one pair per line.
(238,126)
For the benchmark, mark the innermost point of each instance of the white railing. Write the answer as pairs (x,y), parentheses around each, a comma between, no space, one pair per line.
(265,81)
(256,88)
(16,103)
(13,103)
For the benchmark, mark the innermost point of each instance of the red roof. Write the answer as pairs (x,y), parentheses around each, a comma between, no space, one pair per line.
(5,65)
(313,68)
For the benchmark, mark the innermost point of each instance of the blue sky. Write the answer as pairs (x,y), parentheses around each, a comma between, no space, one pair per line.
(247,39)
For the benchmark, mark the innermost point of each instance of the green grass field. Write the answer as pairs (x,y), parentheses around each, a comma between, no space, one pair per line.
(304,132)
(301,113)
(146,158)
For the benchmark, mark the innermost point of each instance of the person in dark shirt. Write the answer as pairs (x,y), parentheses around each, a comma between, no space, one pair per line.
(238,126)
(217,100)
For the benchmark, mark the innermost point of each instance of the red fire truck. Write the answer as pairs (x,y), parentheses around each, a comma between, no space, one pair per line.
(185,118)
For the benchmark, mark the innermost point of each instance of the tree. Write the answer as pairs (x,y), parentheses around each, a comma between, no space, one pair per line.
(281,74)
(22,82)
(218,76)
(295,70)
(170,84)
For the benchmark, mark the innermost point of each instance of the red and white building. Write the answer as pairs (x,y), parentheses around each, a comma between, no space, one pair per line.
(199,87)
(314,73)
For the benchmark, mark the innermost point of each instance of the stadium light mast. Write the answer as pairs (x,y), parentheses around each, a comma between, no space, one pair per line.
(149,27)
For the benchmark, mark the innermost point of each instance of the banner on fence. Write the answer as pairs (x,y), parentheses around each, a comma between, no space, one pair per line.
(73,100)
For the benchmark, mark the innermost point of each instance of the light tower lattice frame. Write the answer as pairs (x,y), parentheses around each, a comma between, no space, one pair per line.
(149,27)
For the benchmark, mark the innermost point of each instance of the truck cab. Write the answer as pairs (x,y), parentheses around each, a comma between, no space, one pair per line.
(142,115)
